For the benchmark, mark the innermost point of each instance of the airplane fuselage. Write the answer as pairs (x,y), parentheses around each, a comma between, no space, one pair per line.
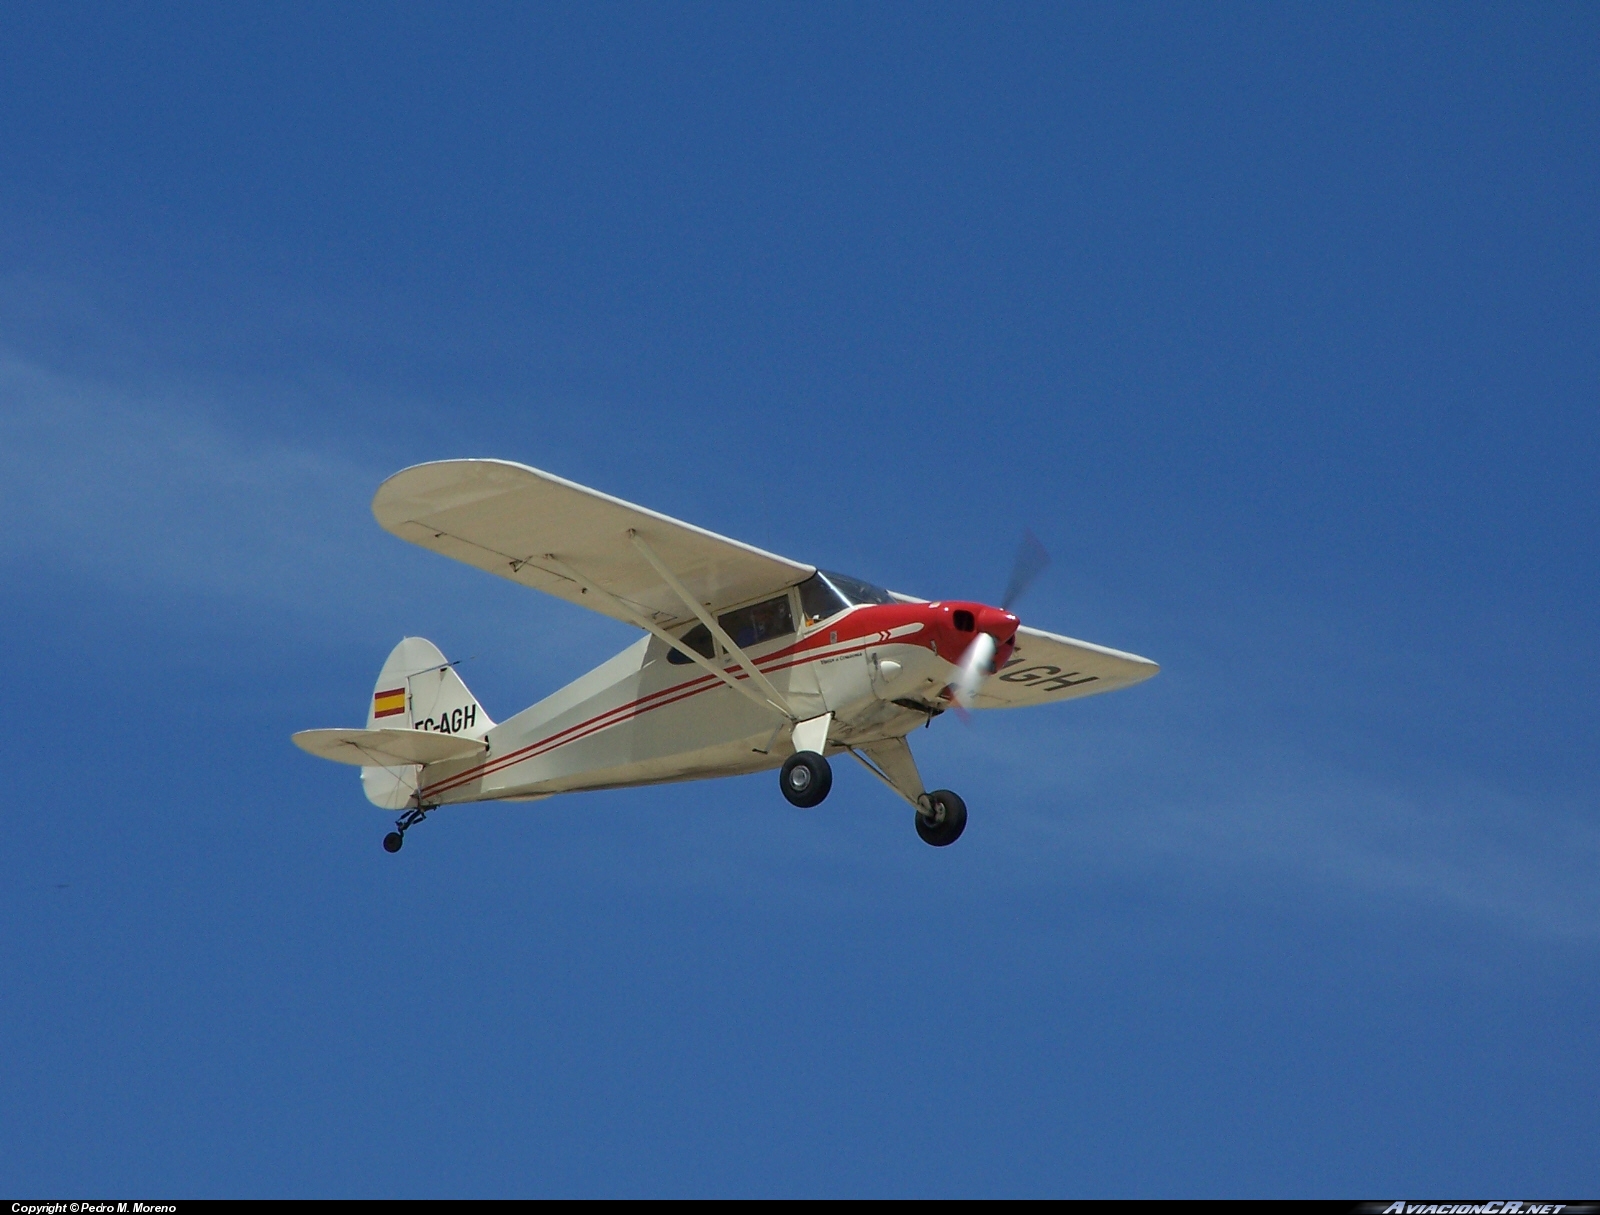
(642,718)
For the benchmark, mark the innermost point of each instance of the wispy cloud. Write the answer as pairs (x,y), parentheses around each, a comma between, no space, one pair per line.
(148,493)
(1260,809)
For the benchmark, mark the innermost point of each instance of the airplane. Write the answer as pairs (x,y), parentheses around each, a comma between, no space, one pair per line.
(749,662)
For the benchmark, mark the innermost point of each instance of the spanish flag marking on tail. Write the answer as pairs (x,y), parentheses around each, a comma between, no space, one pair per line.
(387,704)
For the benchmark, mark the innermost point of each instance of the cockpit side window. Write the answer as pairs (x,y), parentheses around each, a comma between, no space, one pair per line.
(697,639)
(824,594)
(818,599)
(759,622)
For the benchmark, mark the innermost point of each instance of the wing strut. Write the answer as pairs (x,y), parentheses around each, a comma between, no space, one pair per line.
(650,626)
(710,621)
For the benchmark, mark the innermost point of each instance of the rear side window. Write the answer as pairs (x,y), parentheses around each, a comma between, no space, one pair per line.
(697,639)
(759,622)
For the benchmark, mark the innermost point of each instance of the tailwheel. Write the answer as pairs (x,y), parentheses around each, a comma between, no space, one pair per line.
(805,779)
(393,841)
(943,820)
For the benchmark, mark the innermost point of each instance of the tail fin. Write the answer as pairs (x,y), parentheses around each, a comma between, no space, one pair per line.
(417,689)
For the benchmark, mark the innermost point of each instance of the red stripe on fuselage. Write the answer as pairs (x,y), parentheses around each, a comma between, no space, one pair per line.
(560,737)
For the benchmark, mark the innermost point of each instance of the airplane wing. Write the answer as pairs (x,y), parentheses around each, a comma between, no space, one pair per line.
(1046,667)
(510,519)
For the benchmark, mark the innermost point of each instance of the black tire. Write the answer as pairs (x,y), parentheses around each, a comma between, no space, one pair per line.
(392,841)
(805,779)
(948,820)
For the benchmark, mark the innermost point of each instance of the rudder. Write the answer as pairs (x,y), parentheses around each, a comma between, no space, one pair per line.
(417,689)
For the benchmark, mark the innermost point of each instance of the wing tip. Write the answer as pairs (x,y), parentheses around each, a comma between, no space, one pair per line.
(390,510)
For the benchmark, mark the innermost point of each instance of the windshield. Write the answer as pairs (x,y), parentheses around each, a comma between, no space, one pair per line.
(825,594)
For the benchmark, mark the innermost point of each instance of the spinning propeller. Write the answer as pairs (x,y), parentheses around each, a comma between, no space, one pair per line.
(978,661)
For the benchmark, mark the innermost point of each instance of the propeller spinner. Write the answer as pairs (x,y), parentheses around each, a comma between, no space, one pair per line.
(977,663)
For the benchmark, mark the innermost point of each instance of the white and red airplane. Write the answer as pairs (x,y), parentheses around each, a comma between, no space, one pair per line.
(750,661)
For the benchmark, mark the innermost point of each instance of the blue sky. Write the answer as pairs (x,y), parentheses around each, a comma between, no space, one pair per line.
(1279,328)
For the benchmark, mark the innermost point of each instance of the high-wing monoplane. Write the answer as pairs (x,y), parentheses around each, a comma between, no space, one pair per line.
(749,661)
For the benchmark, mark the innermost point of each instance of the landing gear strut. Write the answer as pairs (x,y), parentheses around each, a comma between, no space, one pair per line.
(943,820)
(805,779)
(408,820)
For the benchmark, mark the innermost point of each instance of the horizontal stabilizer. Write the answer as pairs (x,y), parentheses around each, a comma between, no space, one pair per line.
(387,748)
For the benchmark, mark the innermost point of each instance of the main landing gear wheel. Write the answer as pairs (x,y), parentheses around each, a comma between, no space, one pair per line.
(392,841)
(805,779)
(942,823)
